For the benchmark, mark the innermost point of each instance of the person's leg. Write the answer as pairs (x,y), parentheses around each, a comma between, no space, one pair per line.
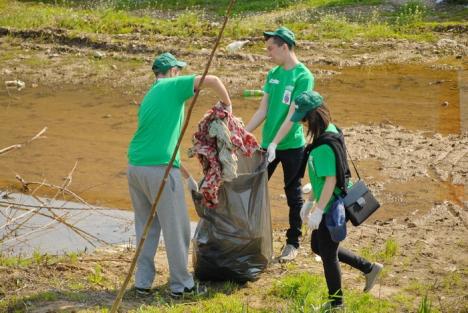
(272,166)
(145,271)
(348,257)
(323,245)
(175,224)
(291,162)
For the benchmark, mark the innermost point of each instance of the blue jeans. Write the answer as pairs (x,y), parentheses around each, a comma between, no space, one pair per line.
(291,161)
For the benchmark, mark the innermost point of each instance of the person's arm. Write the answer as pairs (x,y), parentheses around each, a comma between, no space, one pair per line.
(259,116)
(215,84)
(185,173)
(316,217)
(191,182)
(285,127)
(327,192)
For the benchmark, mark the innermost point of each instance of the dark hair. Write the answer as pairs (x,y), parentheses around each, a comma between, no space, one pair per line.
(317,121)
(156,72)
(279,41)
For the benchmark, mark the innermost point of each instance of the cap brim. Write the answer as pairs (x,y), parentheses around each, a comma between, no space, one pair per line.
(269,34)
(181,64)
(298,116)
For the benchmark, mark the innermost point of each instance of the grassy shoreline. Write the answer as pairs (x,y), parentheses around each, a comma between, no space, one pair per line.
(311,20)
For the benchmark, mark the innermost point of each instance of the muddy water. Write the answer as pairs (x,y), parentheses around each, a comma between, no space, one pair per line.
(95,125)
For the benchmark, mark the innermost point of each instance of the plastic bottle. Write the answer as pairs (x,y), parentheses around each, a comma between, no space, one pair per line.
(252,93)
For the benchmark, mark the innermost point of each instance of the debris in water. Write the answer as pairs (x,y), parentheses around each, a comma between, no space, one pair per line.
(18,84)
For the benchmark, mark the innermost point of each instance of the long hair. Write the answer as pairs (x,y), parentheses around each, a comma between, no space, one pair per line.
(317,121)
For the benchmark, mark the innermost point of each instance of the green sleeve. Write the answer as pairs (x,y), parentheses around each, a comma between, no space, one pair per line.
(184,87)
(304,83)
(324,161)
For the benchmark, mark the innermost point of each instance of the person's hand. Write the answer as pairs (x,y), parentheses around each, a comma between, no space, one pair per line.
(192,184)
(271,152)
(227,107)
(315,218)
(305,210)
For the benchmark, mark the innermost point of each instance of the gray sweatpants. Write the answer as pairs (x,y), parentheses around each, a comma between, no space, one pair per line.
(171,217)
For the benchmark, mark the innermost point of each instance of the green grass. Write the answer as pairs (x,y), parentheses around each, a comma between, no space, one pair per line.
(379,254)
(216,6)
(410,21)
(96,277)
(218,303)
(307,293)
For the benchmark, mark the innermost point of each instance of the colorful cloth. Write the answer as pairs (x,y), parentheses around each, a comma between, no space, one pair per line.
(219,139)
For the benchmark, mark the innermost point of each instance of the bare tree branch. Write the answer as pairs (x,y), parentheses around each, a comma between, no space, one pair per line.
(39,135)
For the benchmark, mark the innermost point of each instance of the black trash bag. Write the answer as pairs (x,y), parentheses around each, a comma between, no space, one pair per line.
(233,242)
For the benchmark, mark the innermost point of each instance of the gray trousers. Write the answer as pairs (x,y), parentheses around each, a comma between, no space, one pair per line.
(171,217)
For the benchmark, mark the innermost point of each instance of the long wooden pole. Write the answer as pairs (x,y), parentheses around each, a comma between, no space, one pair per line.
(118,299)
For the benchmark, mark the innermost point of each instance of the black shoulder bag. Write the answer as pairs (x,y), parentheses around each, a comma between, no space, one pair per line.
(359,201)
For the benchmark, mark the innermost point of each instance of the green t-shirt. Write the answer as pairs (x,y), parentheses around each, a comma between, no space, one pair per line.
(282,87)
(160,121)
(322,163)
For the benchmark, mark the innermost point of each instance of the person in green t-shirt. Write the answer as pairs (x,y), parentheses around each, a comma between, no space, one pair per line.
(283,139)
(323,173)
(160,120)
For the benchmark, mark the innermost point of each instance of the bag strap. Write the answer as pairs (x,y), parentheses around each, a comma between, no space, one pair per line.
(354,165)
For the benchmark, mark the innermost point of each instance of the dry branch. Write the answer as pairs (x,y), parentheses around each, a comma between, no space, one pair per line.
(56,218)
(21,145)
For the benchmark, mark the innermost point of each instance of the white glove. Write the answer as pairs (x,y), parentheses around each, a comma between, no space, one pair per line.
(315,218)
(305,210)
(271,152)
(192,184)
(226,106)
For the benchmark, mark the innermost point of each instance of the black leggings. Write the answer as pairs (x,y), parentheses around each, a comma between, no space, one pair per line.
(331,255)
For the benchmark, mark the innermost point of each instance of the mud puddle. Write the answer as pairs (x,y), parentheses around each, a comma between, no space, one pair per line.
(94,126)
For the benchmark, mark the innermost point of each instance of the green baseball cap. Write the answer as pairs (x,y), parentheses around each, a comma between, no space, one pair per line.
(165,62)
(283,33)
(306,102)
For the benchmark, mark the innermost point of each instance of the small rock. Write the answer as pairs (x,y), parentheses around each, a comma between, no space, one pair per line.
(282,196)
(447,43)
(7,72)
(107,116)
(250,58)
(114,67)
(445,104)
(34,85)
(99,54)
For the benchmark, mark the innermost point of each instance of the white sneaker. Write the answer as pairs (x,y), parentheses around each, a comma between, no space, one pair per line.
(289,253)
(371,277)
